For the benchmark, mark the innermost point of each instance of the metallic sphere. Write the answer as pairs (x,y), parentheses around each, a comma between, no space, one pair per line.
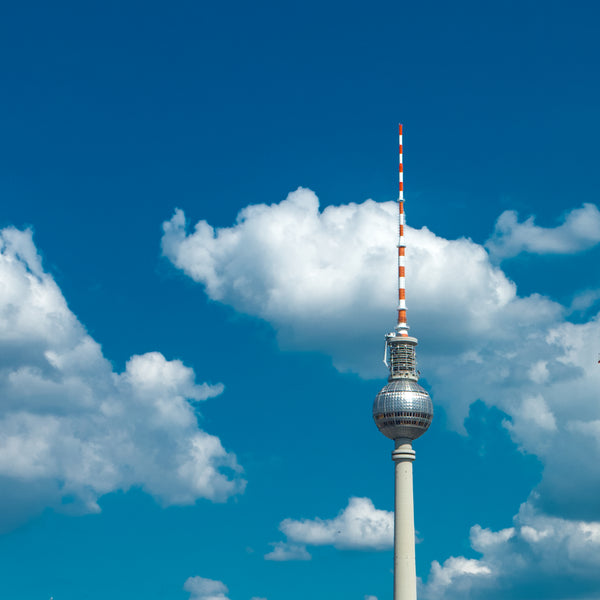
(403,409)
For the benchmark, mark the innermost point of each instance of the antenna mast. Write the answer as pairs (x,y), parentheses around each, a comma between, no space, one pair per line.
(401,327)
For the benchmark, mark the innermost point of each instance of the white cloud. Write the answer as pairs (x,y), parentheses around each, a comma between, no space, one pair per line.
(457,574)
(205,589)
(534,411)
(584,300)
(548,554)
(326,281)
(72,429)
(579,231)
(284,551)
(201,588)
(370,597)
(360,526)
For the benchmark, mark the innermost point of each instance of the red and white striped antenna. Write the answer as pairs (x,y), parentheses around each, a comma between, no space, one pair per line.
(401,327)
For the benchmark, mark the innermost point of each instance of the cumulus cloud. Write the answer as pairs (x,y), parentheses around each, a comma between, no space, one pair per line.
(284,551)
(359,526)
(201,588)
(457,574)
(584,300)
(579,231)
(72,429)
(557,557)
(326,281)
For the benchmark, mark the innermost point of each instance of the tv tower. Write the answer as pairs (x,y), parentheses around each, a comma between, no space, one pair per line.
(403,411)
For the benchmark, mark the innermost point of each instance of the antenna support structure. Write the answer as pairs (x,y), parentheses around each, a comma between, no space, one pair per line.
(403,412)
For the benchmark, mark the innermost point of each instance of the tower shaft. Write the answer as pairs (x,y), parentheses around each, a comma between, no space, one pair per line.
(405,572)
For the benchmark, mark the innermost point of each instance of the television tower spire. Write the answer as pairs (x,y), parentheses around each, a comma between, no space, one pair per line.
(401,327)
(403,412)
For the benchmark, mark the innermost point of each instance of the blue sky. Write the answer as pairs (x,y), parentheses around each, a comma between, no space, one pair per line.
(197,270)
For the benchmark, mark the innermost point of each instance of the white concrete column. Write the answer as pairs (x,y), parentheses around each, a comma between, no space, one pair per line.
(405,573)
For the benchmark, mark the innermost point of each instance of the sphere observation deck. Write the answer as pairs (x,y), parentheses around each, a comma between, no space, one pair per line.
(402,409)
